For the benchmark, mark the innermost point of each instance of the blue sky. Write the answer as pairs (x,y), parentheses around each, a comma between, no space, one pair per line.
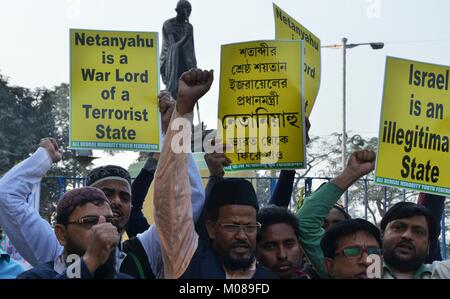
(35,42)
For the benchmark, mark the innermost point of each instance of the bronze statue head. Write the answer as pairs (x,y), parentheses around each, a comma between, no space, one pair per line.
(183,10)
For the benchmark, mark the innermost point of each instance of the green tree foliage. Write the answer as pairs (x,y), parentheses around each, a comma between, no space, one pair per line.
(26,117)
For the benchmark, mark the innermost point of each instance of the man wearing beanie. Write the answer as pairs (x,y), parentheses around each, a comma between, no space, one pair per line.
(231,207)
(84,226)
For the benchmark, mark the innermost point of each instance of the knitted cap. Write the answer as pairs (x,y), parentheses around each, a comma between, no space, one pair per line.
(233,191)
(77,197)
(108,172)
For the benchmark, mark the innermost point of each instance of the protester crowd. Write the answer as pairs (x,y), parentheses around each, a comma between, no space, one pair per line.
(215,233)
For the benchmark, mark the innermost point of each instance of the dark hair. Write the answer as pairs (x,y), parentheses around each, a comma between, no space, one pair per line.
(101,172)
(273,215)
(403,210)
(342,210)
(330,240)
(77,197)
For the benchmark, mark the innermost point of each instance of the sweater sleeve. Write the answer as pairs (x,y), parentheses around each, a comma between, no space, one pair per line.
(32,236)
(311,217)
(283,190)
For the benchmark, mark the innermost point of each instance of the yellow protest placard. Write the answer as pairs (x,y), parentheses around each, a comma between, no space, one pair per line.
(260,104)
(287,27)
(113,90)
(413,149)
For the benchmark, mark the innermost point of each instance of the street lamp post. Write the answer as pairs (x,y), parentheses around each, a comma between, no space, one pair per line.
(344,114)
(345,46)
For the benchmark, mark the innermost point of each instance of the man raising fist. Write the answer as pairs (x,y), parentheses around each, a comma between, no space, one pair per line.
(85,228)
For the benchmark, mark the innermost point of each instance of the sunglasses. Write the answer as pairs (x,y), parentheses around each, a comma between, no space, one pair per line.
(357,251)
(89,221)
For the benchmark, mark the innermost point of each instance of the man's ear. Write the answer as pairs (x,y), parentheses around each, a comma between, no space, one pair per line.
(211,228)
(61,234)
(329,265)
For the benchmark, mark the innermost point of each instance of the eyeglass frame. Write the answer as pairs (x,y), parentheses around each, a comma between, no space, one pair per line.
(362,250)
(243,227)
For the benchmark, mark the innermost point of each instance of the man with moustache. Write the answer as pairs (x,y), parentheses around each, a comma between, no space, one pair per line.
(408,230)
(84,227)
(33,236)
(278,246)
(347,246)
(317,206)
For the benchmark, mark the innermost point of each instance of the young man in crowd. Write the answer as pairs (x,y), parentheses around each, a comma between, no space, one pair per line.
(278,246)
(348,246)
(316,207)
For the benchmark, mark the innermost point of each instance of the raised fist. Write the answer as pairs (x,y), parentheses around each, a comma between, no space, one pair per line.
(52,148)
(361,162)
(105,238)
(216,162)
(193,84)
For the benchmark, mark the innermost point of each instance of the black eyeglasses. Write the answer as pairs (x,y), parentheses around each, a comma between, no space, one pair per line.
(235,228)
(357,251)
(89,221)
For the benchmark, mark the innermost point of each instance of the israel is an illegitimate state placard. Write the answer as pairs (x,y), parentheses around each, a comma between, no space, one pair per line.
(113,90)
(260,104)
(413,149)
(286,27)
